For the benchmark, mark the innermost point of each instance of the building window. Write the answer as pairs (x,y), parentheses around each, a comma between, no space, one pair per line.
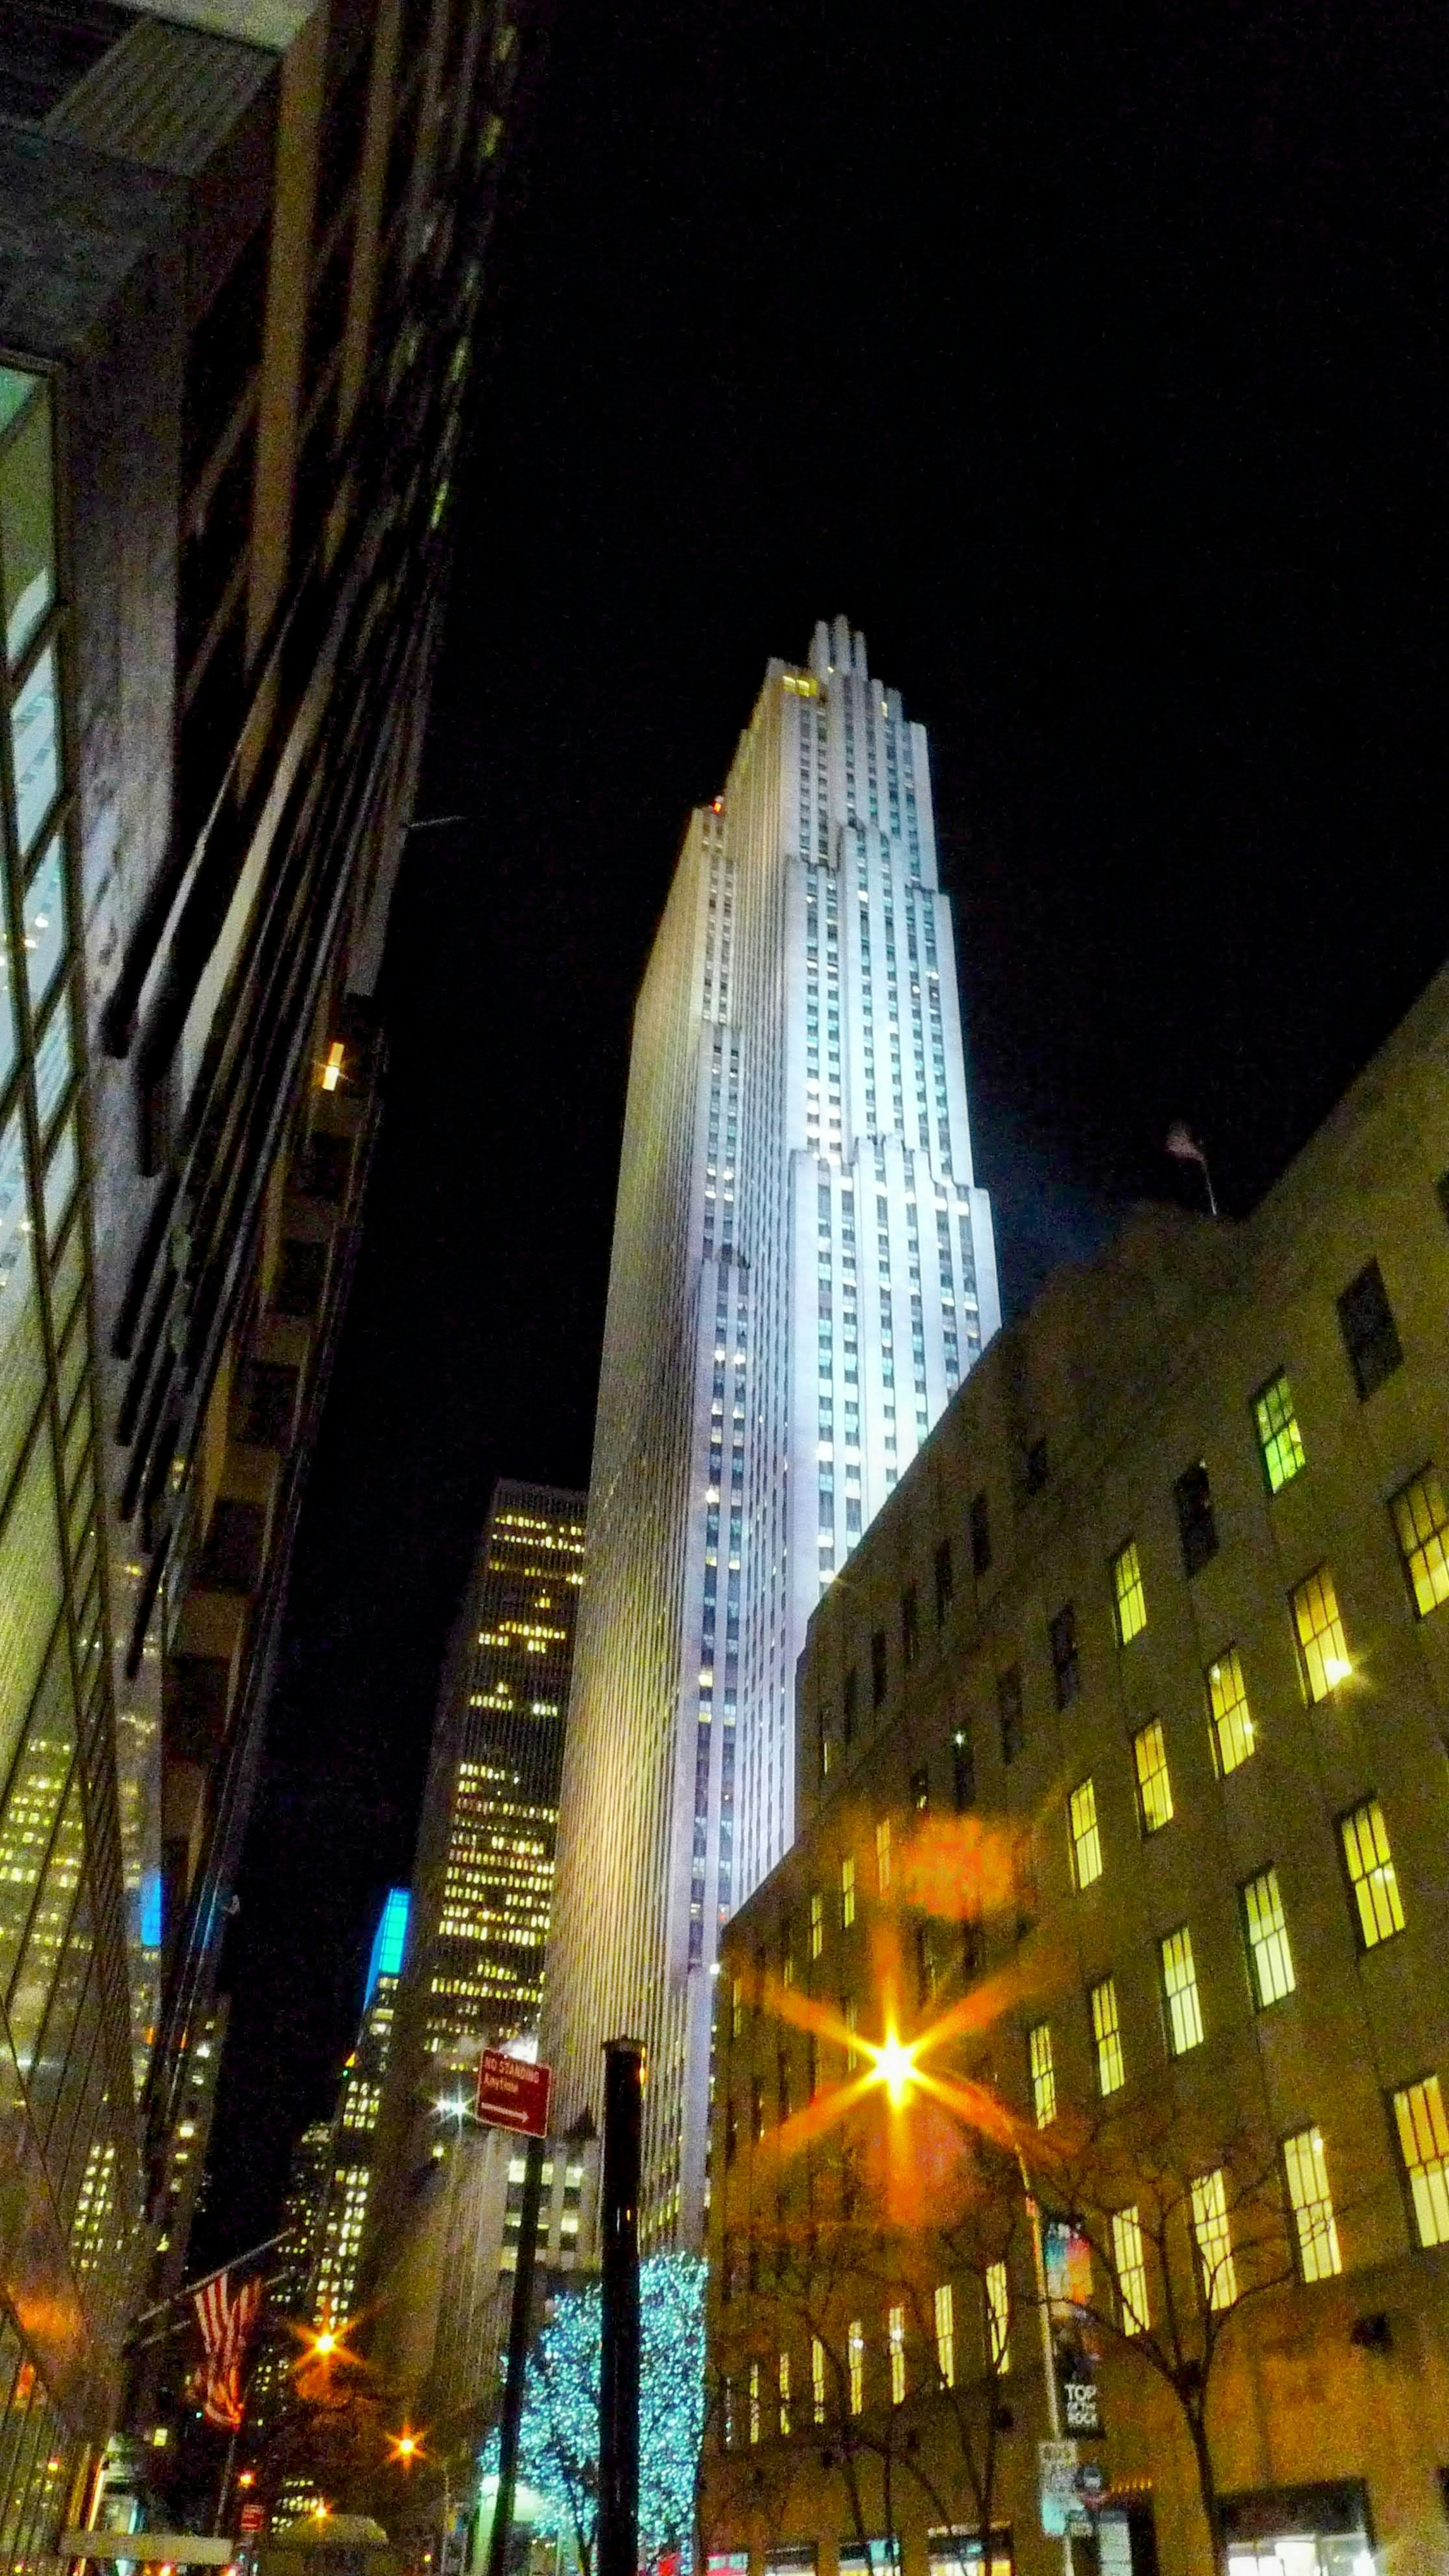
(785,2396)
(921,1789)
(963,1772)
(945,1581)
(850,2015)
(1154,1784)
(847,1891)
(1213,2239)
(1423,2129)
(817,1923)
(980,1534)
(1037,1467)
(998,2319)
(1371,1873)
(1280,1442)
(1107,2037)
(855,2364)
(910,1626)
(878,1667)
(946,2334)
(849,1701)
(1420,1521)
(1066,1662)
(1230,1719)
(1317,2230)
(896,2333)
(754,2401)
(1265,1931)
(1008,1710)
(1179,1992)
(737,2008)
(1043,2074)
(1129,1597)
(1129,2264)
(1370,1335)
(1086,1834)
(817,2379)
(1197,1528)
(883,1856)
(1322,1647)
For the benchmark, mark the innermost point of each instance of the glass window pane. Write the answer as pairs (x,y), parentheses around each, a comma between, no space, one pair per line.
(31,1985)
(9,1042)
(32,1802)
(54,1064)
(66,1281)
(61,1174)
(27,527)
(35,747)
(44,923)
(22,1354)
(29,1592)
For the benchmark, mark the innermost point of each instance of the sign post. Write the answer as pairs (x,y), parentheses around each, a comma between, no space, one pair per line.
(617,2552)
(514,2095)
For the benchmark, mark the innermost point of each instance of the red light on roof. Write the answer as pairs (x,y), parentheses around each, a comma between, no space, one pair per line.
(718,806)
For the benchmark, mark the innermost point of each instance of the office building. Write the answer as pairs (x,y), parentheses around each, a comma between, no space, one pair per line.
(292,2270)
(343,2227)
(248,252)
(803,1273)
(1125,1795)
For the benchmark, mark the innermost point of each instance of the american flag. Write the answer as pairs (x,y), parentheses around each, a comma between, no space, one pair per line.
(226,2325)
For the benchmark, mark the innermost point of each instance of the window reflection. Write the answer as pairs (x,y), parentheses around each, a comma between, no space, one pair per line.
(43,923)
(35,747)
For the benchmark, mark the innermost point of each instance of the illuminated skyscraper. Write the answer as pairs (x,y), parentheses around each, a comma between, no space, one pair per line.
(803,1271)
(359,2107)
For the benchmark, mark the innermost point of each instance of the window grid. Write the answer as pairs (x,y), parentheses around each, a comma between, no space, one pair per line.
(1086,1834)
(817,1923)
(1423,2129)
(1107,2037)
(1317,2229)
(1322,1646)
(1130,2264)
(1371,1873)
(817,2379)
(1129,1595)
(1179,1986)
(1213,2238)
(883,1855)
(1420,1522)
(855,2364)
(1280,1442)
(847,1891)
(1043,2074)
(1154,1781)
(946,2334)
(1265,1930)
(896,2325)
(998,2319)
(1231,1719)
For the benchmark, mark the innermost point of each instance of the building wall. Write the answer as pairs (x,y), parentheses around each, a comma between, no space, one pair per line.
(802,1273)
(960,1753)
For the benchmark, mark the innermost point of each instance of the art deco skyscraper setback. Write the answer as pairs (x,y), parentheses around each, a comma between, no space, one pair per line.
(803,1271)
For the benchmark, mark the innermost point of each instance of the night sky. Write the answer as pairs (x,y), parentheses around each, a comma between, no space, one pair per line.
(1090,359)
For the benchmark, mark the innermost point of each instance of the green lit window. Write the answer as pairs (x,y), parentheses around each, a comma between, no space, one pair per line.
(1129,1598)
(1107,2037)
(1154,1784)
(1086,1834)
(1130,2266)
(1179,1992)
(883,1855)
(27,520)
(35,746)
(998,2319)
(1212,2236)
(855,2365)
(1265,1930)
(945,2321)
(1371,1873)
(1316,2229)
(784,2381)
(1280,1441)
(1232,1724)
(1043,2074)
(817,2379)
(1423,2129)
(1420,1522)
(817,1923)
(1322,1646)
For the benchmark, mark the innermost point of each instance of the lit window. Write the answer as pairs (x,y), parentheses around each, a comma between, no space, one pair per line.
(855,2364)
(1129,1599)
(883,1854)
(1107,2037)
(1322,1646)
(1043,2074)
(1086,1834)
(1371,1873)
(1179,1989)
(1370,1336)
(754,2401)
(946,2334)
(1424,2145)
(1265,1931)
(1280,1442)
(1420,1521)
(847,1891)
(1317,2230)
(332,1067)
(737,2008)
(1232,1724)
(1213,2239)
(817,1923)
(817,2379)
(1130,2265)
(1154,1785)
(998,2319)
(785,2395)
(897,2326)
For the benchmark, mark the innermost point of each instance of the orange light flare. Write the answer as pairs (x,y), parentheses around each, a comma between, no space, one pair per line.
(406,2447)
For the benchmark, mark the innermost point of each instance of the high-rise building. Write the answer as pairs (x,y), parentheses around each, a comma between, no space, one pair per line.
(248,267)
(803,1272)
(292,2271)
(354,2130)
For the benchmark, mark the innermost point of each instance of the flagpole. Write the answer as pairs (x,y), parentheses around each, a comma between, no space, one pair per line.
(225,2488)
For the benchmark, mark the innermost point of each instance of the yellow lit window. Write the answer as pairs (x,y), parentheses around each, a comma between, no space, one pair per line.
(1322,1646)
(1265,1930)
(847,1891)
(1179,1989)
(897,2331)
(1086,1834)
(1129,1599)
(851,2017)
(946,2334)
(1424,2145)
(754,2401)
(1154,1784)
(1371,1873)
(737,2008)
(998,2319)
(785,2395)
(1280,1442)
(1213,2239)
(1420,1523)
(1307,2170)
(1130,2266)
(883,1854)
(855,2364)
(1107,2037)
(1043,2074)
(817,2379)
(817,1924)
(332,1066)
(1232,1724)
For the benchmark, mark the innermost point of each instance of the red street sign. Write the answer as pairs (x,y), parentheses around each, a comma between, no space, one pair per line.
(253,2517)
(512,2094)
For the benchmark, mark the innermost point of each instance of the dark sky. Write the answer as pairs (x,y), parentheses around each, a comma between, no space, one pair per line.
(1092,360)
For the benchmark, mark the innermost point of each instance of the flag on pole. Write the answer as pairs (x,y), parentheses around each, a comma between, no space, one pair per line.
(1181,1143)
(226,2324)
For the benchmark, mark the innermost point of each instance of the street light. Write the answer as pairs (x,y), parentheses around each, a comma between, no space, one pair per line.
(407,2447)
(895,2067)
